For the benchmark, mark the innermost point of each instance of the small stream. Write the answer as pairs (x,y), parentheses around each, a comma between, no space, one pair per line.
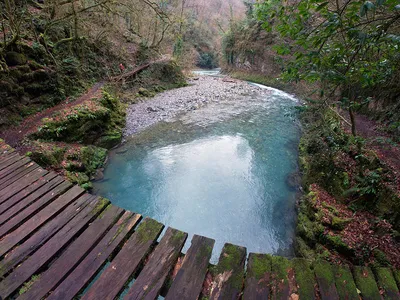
(220,171)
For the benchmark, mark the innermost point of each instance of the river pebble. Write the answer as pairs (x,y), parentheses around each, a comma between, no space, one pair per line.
(167,105)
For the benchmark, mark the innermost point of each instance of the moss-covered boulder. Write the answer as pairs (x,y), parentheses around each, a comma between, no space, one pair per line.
(47,155)
(79,178)
(98,121)
(78,163)
(14,58)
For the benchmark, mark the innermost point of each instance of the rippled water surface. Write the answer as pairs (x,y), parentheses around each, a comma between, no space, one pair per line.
(220,171)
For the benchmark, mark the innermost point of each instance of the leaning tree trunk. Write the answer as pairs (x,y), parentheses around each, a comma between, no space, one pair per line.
(353,122)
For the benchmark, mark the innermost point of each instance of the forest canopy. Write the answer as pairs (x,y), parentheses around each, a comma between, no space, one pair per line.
(351,47)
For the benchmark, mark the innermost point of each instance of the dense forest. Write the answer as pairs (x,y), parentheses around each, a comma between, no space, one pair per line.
(69,68)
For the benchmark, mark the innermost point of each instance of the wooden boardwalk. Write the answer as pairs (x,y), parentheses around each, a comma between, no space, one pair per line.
(58,242)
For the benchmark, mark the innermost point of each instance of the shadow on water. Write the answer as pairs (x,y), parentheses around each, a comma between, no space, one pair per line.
(224,171)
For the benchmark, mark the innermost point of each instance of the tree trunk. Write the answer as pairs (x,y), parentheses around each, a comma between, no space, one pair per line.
(353,122)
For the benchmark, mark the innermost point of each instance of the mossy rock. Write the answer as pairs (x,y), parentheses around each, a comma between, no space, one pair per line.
(80,126)
(110,140)
(339,223)
(93,158)
(15,59)
(302,249)
(381,258)
(142,92)
(308,230)
(336,242)
(80,178)
(48,158)
(74,166)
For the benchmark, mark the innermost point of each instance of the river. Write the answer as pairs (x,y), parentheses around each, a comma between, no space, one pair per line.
(217,168)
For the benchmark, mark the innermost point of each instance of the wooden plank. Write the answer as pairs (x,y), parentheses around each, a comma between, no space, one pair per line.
(84,272)
(190,277)
(39,219)
(152,278)
(13,177)
(228,275)
(73,254)
(9,160)
(23,207)
(37,207)
(345,284)
(14,167)
(305,279)
(366,283)
(325,276)
(258,277)
(124,265)
(7,154)
(21,184)
(40,237)
(387,283)
(33,196)
(9,202)
(282,278)
(50,249)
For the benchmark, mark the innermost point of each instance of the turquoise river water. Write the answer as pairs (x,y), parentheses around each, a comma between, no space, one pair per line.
(220,171)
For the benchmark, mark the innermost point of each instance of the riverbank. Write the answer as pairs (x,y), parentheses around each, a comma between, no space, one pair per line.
(202,90)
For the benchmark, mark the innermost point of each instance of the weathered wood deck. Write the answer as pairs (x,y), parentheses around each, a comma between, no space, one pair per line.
(58,242)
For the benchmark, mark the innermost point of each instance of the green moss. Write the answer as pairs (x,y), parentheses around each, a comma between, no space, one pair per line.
(304,278)
(280,267)
(345,284)
(261,264)
(203,252)
(396,274)
(145,93)
(336,242)
(101,203)
(110,140)
(302,249)
(330,208)
(148,229)
(381,258)
(77,177)
(387,282)
(48,157)
(28,285)
(15,58)
(365,282)
(178,237)
(308,230)
(323,269)
(231,260)
(93,158)
(339,223)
